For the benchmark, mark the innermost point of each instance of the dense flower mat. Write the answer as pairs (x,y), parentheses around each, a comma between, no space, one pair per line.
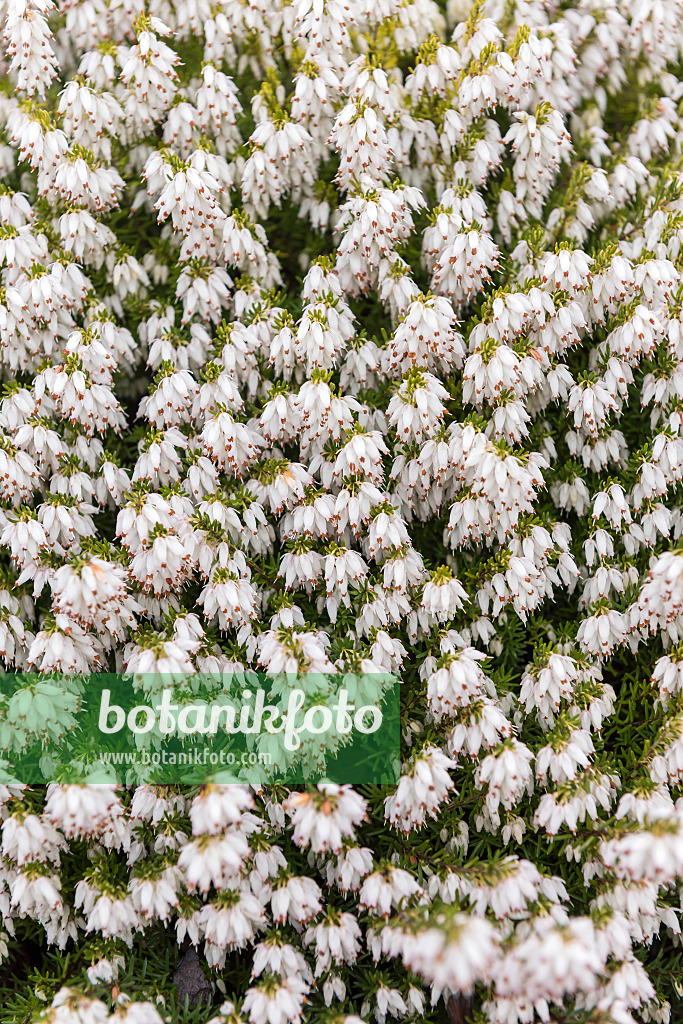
(344,336)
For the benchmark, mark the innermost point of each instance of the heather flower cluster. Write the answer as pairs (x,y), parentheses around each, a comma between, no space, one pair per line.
(346,336)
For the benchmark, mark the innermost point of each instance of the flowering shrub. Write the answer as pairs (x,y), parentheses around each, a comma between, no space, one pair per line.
(344,336)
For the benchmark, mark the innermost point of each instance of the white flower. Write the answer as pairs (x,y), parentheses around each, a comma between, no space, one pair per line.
(457,680)
(296,899)
(280,958)
(213,860)
(506,774)
(232,921)
(653,853)
(455,957)
(416,409)
(421,790)
(564,755)
(550,960)
(69,1005)
(277,1003)
(383,891)
(82,810)
(442,597)
(336,941)
(323,819)
(30,839)
(216,807)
